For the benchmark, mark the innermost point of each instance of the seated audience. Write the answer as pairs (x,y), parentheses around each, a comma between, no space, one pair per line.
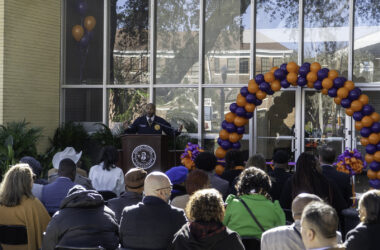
(152,223)
(80,176)
(83,221)
(196,180)
(18,206)
(55,192)
(177,176)
(280,173)
(134,184)
(319,225)
(253,191)
(308,178)
(364,236)
(288,237)
(342,180)
(257,161)
(205,210)
(206,161)
(234,166)
(38,184)
(106,176)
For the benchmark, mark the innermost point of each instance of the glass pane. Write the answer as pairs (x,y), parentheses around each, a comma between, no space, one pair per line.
(276,34)
(83,105)
(275,123)
(178,106)
(227,35)
(84,42)
(129,43)
(327,34)
(217,103)
(177,41)
(211,145)
(324,122)
(367,42)
(125,105)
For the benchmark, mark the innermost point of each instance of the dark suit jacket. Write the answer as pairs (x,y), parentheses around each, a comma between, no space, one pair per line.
(141,126)
(55,192)
(342,180)
(126,199)
(280,176)
(363,237)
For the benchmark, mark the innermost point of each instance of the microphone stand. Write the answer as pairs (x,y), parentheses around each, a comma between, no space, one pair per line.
(174,140)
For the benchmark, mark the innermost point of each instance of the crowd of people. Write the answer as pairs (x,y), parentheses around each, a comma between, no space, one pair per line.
(250,206)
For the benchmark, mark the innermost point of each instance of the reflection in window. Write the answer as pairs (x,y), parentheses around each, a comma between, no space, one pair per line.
(367,42)
(243,65)
(265,65)
(83,105)
(231,65)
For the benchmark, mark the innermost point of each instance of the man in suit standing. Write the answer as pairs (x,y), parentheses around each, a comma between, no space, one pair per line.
(326,158)
(150,123)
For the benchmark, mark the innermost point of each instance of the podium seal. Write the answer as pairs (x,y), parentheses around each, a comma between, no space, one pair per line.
(143,156)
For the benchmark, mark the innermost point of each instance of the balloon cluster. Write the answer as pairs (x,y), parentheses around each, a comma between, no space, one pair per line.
(83,33)
(188,157)
(314,76)
(350,162)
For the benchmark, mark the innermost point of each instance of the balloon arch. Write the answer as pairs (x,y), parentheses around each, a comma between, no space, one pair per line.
(312,75)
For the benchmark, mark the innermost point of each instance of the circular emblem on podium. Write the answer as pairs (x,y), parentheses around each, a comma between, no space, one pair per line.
(143,156)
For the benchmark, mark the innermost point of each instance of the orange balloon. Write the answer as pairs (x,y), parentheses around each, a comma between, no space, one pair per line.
(261,95)
(327,83)
(333,74)
(240,136)
(378,175)
(367,121)
(356,105)
(310,84)
(220,153)
(371,174)
(253,87)
(349,85)
(375,117)
(240,121)
(374,138)
(337,100)
(363,99)
(369,158)
(241,101)
(358,125)
(274,69)
(250,107)
(223,134)
(234,137)
(364,141)
(314,67)
(275,85)
(349,111)
(292,67)
(77,32)
(219,169)
(311,77)
(343,92)
(89,23)
(269,77)
(325,91)
(230,117)
(376,156)
(292,78)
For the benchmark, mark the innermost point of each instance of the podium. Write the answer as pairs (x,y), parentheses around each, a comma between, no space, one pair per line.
(149,152)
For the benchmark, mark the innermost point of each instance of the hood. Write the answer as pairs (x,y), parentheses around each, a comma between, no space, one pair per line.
(206,242)
(79,197)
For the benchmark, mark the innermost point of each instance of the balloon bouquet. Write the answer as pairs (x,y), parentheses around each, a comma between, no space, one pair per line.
(83,35)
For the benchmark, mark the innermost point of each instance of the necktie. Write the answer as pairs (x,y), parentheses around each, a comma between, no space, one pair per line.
(150,122)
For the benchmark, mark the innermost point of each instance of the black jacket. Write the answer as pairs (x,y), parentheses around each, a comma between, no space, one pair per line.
(342,180)
(280,176)
(141,126)
(82,221)
(363,237)
(126,199)
(225,240)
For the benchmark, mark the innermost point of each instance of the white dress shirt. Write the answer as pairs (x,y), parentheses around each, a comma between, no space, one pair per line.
(103,180)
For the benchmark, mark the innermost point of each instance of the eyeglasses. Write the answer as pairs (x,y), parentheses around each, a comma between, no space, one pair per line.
(170,187)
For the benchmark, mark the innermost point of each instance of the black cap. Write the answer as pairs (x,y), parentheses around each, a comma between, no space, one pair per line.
(280,157)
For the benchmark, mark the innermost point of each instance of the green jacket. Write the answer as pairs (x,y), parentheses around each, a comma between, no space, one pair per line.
(237,217)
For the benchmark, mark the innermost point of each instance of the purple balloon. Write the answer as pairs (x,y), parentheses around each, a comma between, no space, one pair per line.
(365,132)
(285,84)
(264,86)
(219,141)
(301,81)
(240,130)
(304,70)
(325,70)
(82,8)
(318,85)
(339,82)
(375,166)
(259,78)
(378,147)
(332,92)
(224,124)
(249,115)
(236,145)
(374,183)
(258,102)
(367,109)
(358,116)
(322,74)
(307,65)
(270,91)
(240,111)
(233,107)
(354,94)
(225,144)
(283,67)
(250,98)
(83,43)
(346,103)
(375,127)
(280,74)
(244,91)
(231,127)
(370,149)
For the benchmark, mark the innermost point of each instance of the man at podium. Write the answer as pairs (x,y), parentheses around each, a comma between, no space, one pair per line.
(150,123)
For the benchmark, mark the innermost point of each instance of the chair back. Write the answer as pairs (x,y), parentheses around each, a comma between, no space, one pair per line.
(59,247)
(251,243)
(107,195)
(13,235)
(288,216)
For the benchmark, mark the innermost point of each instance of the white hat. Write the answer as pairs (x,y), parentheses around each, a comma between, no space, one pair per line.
(69,152)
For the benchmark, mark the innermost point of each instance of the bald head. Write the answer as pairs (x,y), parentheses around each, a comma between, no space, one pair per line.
(300,202)
(157,184)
